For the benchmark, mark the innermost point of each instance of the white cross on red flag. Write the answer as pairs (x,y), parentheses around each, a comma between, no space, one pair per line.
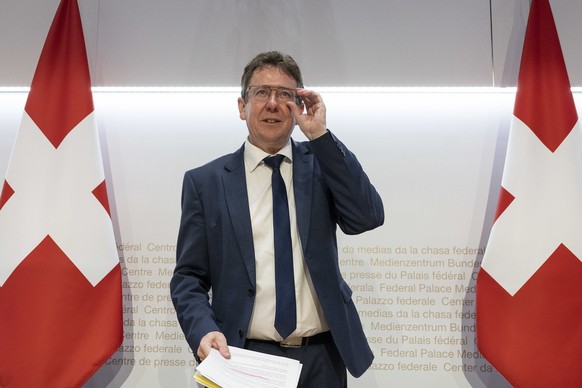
(60,277)
(529,289)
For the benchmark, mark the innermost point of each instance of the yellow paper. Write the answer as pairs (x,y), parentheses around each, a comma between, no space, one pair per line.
(204,381)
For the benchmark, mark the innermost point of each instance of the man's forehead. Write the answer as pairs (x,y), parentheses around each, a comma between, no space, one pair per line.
(269,73)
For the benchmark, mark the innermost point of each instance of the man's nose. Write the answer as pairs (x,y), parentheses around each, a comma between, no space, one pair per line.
(272,103)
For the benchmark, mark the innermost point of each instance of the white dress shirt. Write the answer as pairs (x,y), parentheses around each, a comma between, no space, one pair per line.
(310,319)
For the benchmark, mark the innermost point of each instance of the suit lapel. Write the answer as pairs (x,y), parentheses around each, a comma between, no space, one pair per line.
(235,191)
(234,182)
(302,188)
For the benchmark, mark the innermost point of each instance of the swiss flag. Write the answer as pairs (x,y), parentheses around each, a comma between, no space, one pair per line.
(529,289)
(60,277)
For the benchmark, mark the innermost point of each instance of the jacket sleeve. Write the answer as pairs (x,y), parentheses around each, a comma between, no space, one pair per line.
(357,205)
(190,282)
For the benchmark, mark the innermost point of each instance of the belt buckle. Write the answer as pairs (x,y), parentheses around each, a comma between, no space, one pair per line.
(291,342)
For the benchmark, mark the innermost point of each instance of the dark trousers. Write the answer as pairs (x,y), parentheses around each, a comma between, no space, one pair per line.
(322,364)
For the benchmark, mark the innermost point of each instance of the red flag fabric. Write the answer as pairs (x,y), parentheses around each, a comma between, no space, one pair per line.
(60,277)
(529,289)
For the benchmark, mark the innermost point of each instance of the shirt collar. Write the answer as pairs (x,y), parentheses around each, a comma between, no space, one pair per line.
(254,156)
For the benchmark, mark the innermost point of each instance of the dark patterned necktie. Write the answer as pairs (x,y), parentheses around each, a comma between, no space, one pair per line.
(285,314)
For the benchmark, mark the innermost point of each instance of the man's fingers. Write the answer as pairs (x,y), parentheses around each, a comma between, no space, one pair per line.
(296,111)
(222,346)
(215,340)
(203,350)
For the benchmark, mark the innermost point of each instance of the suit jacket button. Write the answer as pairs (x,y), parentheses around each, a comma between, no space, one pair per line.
(251,292)
(240,333)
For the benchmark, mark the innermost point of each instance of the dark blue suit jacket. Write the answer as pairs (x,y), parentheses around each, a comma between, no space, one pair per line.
(215,245)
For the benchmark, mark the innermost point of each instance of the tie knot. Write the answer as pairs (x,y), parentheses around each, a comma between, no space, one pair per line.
(274,161)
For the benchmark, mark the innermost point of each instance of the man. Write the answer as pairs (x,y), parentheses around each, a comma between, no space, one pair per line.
(228,226)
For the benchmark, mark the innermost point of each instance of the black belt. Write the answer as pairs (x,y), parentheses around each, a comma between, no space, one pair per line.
(318,339)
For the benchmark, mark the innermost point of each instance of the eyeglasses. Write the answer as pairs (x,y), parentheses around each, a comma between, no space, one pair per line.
(262,93)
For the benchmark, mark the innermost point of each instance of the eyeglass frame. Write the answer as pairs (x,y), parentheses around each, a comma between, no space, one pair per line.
(293,92)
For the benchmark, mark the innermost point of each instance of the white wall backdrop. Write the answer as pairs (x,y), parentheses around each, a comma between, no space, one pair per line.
(337,43)
(435,157)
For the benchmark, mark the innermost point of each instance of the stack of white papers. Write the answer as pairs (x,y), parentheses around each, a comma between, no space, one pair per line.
(246,369)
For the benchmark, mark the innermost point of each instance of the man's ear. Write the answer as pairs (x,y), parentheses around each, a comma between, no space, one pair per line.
(242,113)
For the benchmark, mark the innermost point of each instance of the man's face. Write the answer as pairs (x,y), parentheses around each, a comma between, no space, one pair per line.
(269,122)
